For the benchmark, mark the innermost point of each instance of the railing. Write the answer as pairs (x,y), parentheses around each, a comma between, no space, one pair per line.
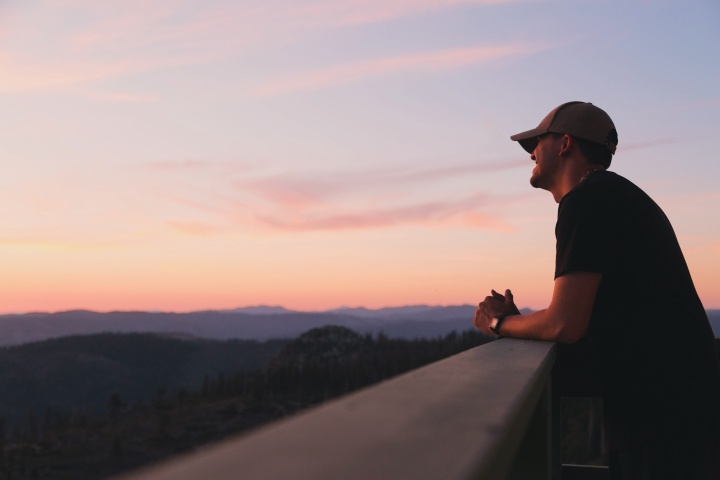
(483,414)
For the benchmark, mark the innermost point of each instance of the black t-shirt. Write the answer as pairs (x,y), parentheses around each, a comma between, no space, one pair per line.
(654,345)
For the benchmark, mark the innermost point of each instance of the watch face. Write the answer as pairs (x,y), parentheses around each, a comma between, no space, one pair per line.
(493,324)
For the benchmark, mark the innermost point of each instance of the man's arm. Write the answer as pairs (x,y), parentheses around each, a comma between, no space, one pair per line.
(566,319)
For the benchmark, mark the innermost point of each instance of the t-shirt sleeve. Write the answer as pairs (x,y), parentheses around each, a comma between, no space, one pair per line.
(585,234)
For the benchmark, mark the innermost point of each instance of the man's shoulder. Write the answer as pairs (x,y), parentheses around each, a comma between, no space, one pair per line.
(606,186)
(604,180)
(606,198)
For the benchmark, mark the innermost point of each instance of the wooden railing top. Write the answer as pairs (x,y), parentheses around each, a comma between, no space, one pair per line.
(459,418)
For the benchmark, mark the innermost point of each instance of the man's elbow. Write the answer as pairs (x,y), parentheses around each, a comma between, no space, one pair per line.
(569,337)
(570,332)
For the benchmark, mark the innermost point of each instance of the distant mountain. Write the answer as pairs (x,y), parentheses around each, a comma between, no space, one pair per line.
(254,323)
(714,316)
(419,312)
(259,310)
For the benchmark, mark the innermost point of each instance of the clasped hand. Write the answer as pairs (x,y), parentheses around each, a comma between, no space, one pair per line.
(493,305)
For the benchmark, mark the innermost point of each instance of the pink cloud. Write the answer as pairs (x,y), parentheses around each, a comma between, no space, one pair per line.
(434,173)
(360,213)
(342,201)
(292,190)
(652,143)
(459,212)
(92,41)
(23,76)
(206,165)
(349,12)
(352,72)
(113,39)
(121,97)
(299,191)
(161,27)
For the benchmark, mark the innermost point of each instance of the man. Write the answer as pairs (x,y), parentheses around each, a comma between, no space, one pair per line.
(621,285)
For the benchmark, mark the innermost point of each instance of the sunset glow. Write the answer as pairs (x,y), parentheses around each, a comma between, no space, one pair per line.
(314,154)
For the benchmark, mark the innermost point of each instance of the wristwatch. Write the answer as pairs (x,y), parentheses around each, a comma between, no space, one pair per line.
(497,321)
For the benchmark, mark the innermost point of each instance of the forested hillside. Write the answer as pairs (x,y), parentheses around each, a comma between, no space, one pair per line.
(91,406)
(102,404)
(81,373)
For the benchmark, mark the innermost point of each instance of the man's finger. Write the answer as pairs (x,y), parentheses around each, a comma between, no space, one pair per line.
(508,297)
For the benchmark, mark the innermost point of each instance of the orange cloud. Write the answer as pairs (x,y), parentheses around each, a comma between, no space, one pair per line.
(419,62)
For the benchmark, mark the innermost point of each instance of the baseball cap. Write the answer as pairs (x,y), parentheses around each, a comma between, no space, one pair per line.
(579,119)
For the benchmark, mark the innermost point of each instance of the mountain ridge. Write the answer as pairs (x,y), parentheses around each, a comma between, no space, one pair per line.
(248,323)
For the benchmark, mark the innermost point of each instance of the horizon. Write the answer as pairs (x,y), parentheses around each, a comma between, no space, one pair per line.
(248,307)
(260,307)
(189,156)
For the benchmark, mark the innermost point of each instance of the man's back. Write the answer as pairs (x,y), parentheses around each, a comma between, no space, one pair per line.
(655,348)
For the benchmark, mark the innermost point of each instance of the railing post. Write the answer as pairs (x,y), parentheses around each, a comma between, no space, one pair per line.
(556,431)
(535,455)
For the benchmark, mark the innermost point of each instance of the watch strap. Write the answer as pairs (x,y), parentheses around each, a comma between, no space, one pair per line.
(498,321)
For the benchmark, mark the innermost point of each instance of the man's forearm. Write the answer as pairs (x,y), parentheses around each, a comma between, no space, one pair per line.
(538,325)
(566,319)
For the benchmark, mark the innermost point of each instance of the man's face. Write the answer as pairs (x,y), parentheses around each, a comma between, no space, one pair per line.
(546,161)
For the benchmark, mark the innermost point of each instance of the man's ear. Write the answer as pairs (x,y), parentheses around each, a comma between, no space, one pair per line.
(566,145)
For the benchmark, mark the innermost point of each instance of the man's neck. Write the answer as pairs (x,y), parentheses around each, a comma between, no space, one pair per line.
(575,174)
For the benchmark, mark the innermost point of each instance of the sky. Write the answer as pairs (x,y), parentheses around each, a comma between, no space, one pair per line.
(183,155)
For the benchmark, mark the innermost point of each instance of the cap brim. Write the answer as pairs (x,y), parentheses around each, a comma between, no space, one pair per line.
(528,140)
